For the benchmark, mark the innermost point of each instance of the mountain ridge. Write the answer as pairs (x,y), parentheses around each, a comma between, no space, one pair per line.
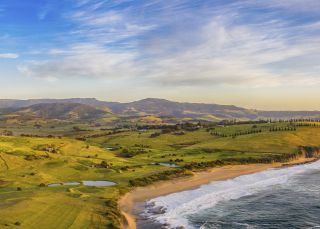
(57,111)
(163,107)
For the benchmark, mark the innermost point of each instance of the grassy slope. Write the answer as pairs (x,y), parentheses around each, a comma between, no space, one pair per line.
(92,207)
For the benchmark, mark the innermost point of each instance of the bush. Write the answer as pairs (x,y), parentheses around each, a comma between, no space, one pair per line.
(132,152)
(166,175)
(125,153)
(35,157)
(154,135)
(103,164)
(310,151)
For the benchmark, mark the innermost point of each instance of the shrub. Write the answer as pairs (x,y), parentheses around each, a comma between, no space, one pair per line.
(165,175)
(154,135)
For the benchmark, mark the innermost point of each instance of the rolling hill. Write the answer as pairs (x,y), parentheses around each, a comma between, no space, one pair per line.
(93,108)
(57,111)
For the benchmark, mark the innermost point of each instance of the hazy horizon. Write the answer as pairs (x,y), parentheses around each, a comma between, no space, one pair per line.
(172,100)
(253,54)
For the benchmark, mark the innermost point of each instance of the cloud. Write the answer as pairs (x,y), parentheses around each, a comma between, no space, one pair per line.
(8,56)
(183,42)
(106,27)
(83,60)
(222,54)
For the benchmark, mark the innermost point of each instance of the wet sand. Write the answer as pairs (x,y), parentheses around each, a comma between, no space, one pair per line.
(138,195)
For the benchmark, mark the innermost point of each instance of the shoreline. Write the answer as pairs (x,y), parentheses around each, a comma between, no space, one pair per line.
(128,202)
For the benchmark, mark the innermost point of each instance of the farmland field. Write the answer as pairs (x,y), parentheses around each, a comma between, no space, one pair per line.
(129,157)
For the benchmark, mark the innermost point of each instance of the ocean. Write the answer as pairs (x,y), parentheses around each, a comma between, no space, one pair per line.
(276,198)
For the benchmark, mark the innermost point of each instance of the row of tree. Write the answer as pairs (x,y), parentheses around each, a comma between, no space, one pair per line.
(224,135)
(274,129)
(306,125)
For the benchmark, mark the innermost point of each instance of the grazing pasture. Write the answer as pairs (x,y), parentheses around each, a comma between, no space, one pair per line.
(128,158)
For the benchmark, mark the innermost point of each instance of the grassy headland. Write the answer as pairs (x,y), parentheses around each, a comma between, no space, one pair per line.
(130,157)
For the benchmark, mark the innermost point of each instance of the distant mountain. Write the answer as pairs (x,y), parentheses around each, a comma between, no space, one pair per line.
(12,103)
(162,107)
(288,114)
(59,111)
(62,108)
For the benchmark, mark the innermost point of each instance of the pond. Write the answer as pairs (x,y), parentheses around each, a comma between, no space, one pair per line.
(98,183)
(71,183)
(54,185)
(170,165)
(64,183)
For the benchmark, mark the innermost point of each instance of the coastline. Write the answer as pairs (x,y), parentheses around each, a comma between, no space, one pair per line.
(128,202)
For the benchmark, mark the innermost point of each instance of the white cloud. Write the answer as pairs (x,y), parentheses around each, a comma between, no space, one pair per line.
(8,56)
(236,54)
(87,61)
(106,27)
(182,45)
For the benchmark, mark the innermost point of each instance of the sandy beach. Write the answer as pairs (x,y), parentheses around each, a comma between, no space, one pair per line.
(127,202)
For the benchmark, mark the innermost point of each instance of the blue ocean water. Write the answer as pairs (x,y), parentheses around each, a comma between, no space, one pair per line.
(277,198)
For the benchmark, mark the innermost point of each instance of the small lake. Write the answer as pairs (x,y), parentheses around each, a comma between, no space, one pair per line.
(112,148)
(71,183)
(65,183)
(170,165)
(54,185)
(97,183)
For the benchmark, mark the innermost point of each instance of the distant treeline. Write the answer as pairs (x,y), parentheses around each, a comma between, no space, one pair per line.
(189,126)
(40,136)
(291,127)
(306,125)
(288,128)
(127,153)
(208,124)
(236,134)
(248,160)
(98,135)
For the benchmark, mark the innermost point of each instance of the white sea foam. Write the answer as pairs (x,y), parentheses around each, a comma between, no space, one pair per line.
(179,205)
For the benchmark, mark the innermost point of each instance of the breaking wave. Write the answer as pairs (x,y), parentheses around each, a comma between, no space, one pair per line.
(172,210)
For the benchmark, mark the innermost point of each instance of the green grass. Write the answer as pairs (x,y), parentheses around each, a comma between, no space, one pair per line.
(26,162)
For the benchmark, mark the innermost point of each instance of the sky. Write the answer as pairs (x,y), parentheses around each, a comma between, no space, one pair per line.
(250,53)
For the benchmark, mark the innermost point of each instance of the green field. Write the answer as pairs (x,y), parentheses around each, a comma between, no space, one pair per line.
(126,157)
